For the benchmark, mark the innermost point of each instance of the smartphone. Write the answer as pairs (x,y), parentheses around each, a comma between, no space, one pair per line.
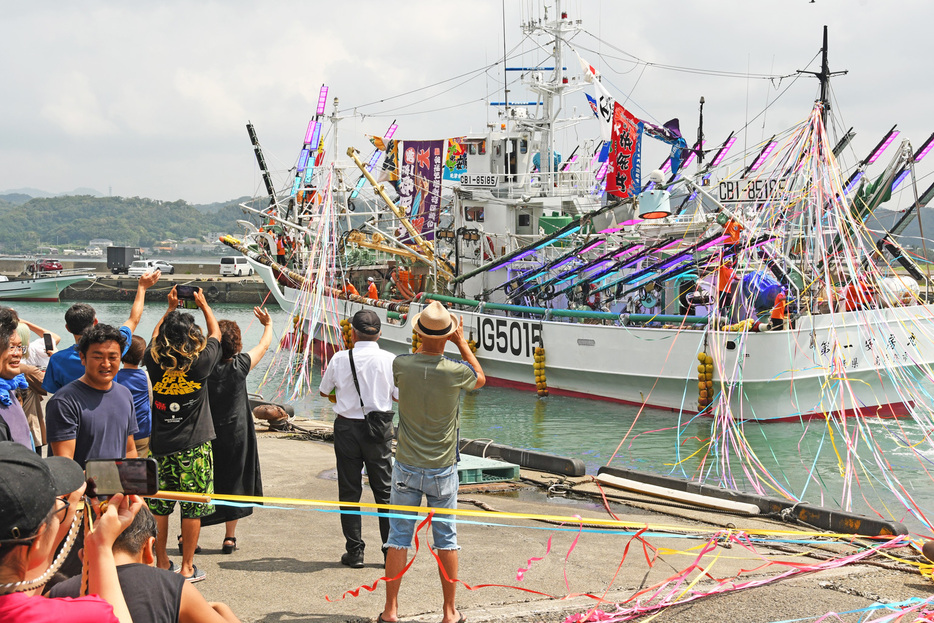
(128,476)
(186,296)
(186,293)
(49,344)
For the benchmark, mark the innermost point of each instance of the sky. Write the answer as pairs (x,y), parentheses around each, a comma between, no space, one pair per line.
(151,99)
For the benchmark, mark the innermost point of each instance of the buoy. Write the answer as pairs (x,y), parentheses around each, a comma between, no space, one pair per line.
(704,381)
(416,341)
(345,331)
(538,367)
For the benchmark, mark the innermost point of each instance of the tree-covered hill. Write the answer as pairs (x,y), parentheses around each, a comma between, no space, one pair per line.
(77,219)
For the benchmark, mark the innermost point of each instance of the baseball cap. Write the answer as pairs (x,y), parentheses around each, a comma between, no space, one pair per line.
(29,486)
(366,322)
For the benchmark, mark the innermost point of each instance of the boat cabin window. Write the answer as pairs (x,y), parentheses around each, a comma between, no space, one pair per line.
(524,223)
(523,146)
(475,147)
(473,213)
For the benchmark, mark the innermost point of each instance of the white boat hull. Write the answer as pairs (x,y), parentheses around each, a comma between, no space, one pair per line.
(41,289)
(831,365)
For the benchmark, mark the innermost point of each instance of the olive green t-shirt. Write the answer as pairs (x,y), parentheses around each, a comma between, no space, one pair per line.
(429,402)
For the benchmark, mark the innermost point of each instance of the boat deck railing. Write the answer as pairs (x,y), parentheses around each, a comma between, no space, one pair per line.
(65,272)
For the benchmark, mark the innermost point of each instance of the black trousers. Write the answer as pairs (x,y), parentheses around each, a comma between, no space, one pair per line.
(353,450)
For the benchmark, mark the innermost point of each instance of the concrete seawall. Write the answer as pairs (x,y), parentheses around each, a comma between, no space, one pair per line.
(245,290)
(201,272)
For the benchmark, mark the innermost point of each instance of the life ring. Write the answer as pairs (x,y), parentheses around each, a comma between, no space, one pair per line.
(211,293)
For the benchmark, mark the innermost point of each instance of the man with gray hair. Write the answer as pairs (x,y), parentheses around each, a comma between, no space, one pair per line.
(360,380)
(430,387)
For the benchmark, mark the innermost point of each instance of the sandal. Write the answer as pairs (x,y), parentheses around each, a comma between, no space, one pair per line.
(197,575)
(197,547)
(230,545)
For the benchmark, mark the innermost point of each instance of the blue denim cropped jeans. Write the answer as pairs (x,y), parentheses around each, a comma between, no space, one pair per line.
(439,486)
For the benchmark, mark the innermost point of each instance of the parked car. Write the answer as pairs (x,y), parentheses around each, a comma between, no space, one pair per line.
(141,267)
(235,266)
(45,266)
(165,267)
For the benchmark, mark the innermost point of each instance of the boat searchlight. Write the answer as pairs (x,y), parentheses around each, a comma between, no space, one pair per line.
(655,202)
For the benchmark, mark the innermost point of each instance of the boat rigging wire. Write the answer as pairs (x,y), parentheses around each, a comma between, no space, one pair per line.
(690,70)
(473,73)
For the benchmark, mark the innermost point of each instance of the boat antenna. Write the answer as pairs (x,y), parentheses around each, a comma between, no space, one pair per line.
(824,76)
(505,78)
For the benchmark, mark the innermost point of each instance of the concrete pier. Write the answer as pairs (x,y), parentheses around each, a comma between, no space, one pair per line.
(288,559)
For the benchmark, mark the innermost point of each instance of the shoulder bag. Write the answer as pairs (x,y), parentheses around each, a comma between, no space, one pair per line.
(378,423)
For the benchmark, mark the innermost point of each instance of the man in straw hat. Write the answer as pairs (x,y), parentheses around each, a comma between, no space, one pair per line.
(430,386)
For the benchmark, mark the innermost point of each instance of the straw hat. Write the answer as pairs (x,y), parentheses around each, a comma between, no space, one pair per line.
(434,321)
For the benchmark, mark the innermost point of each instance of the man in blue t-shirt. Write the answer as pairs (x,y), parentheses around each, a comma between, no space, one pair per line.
(93,417)
(65,366)
(136,380)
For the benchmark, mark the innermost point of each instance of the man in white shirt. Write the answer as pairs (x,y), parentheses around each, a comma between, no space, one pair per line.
(353,445)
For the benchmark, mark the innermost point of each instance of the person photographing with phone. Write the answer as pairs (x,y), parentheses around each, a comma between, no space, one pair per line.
(430,387)
(179,360)
(151,594)
(31,516)
(236,455)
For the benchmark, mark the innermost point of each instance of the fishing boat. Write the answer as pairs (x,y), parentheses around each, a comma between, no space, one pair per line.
(41,286)
(579,278)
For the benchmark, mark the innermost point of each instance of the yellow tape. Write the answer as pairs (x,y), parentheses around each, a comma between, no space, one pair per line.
(575,520)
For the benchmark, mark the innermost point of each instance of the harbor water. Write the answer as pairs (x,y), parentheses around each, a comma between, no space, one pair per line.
(803,458)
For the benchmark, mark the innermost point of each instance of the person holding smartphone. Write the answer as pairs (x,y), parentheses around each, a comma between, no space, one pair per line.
(236,456)
(179,360)
(31,516)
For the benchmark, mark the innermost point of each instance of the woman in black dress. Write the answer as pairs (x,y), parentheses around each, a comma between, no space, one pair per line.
(236,460)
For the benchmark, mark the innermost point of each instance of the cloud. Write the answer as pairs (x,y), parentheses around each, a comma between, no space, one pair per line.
(71,104)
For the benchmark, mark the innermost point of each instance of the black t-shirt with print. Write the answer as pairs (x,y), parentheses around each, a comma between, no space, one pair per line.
(181,414)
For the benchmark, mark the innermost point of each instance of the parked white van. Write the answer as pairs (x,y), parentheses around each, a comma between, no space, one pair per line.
(235,266)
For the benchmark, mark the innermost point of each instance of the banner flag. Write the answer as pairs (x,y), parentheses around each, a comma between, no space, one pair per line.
(420,185)
(390,171)
(455,164)
(670,132)
(625,176)
(602,104)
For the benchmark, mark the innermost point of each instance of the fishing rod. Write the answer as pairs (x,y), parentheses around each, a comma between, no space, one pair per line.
(597,262)
(518,281)
(533,272)
(618,265)
(569,229)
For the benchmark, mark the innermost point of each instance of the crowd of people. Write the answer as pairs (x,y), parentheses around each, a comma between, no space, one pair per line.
(113,396)
(182,400)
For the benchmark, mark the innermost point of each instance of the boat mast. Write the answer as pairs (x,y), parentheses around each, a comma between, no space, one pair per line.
(551,92)
(823,76)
